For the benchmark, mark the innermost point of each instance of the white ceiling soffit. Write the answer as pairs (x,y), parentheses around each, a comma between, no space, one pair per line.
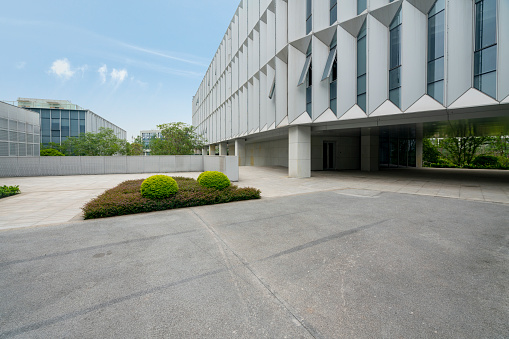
(353,26)
(505,101)
(425,103)
(304,118)
(422,5)
(386,14)
(302,44)
(283,122)
(327,116)
(387,108)
(264,128)
(354,113)
(273,126)
(473,98)
(326,35)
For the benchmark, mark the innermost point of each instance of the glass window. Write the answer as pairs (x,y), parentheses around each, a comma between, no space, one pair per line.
(307,65)
(333,11)
(75,128)
(65,127)
(45,127)
(395,59)
(75,115)
(485,54)
(272,88)
(309,21)
(45,113)
(82,126)
(361,68)
(436,45)
(330,61)
(55,114)
(82,115)
(361,6)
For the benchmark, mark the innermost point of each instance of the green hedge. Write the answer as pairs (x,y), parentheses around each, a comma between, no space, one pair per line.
(7,191)
(126,198)
(159,187)
(213,179)
(50,152)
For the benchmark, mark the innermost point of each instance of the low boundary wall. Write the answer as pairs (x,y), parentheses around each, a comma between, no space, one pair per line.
(52,166)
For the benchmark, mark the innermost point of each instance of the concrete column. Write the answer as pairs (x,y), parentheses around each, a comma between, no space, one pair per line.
(299,147)
(204,150)
(231,148)
(419,135)
(240,151)
(212,149)
(222,148)
(369,149)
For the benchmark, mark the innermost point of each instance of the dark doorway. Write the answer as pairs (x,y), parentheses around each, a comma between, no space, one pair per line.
(328,155)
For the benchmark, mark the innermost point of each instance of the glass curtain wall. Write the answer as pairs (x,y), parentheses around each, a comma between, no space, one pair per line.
(309,12)
(58,125)
(361,6)
(395,60)
(436,48)
(362,67)
(397,146)
(485,54)
(333,11)
(309,83)
(333,87)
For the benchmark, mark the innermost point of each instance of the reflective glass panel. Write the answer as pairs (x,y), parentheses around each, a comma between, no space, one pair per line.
(395,78)
(436,70)
(361,56)
(361,84)
(485,23)
(487,83)
(485,60)
(436,36)
(361,101)
(394,96)
(436,91)
(395,47)
(361,6)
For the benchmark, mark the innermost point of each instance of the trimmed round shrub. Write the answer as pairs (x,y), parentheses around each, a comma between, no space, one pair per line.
(159,187)
(213,179)
(488,161)
(50,152)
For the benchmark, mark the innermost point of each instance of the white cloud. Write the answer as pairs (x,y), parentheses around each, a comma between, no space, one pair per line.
(103,71)
(118,76)
(62,69)
(21,64)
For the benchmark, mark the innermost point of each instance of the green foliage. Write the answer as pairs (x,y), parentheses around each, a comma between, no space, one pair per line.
(177,138)
(443,163)
(213,179)
(6,191)
(486,161)
(462,150)
(104,142)
(430,153)
(51,152)
(126,198)
(159,187)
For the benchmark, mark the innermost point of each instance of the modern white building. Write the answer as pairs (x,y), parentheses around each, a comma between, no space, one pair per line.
(60,119)
(352,84)
(19,132)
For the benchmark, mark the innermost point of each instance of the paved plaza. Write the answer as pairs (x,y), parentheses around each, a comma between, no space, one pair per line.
(339,262)
(54,200)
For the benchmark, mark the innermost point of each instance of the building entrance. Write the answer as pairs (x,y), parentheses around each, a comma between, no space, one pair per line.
(328,155)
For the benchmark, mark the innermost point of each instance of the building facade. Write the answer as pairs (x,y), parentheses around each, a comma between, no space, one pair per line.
(146,136)
(19,132)
(346,84)
(60,119)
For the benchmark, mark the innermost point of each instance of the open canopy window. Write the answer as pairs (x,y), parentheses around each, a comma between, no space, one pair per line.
(272,88)
(305,70)
(330,62)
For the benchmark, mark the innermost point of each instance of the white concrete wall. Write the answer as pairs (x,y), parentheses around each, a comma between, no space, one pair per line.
(346,150)
(269,153)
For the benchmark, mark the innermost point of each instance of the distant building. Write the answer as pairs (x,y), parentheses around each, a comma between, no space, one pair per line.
(19,131)
(146,136)
(60,119)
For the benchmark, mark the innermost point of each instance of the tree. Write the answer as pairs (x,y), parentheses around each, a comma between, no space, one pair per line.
(463,143)
(105,142)
(430,153)
(136,147)
(50,152)
(177,138)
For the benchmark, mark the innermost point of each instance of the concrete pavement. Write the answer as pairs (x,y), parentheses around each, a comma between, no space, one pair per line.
(340,263)
(54,200)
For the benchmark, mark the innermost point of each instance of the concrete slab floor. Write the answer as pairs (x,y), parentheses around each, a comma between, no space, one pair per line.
(58,199)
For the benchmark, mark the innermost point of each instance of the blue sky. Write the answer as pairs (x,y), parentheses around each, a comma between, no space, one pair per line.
(135,63)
